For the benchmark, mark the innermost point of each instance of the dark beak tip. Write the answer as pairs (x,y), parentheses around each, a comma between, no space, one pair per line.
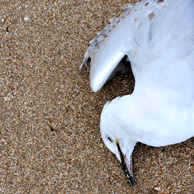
(130,181)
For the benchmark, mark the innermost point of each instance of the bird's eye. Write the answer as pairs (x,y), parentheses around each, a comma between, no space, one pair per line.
(107,137)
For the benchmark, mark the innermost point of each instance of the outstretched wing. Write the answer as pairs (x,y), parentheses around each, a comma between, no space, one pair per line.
(149,34)
(118,40)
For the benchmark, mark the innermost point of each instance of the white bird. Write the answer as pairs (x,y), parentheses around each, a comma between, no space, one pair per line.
(157,38)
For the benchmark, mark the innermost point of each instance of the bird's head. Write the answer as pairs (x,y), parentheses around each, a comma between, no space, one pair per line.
(117,139)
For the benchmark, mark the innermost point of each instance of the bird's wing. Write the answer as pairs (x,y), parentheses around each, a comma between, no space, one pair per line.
(168,63)
(119,39)
(140,35)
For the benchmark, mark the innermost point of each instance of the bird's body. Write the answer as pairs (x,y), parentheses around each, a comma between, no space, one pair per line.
(158,39)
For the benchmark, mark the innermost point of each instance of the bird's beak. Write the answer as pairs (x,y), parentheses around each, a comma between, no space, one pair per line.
(126,167)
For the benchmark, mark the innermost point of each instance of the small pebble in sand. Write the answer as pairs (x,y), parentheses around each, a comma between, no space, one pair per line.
(157,188)
(26,19)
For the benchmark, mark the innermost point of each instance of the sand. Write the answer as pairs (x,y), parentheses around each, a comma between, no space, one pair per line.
(49,121)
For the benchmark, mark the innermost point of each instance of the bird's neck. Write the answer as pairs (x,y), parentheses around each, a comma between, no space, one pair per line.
(154,122)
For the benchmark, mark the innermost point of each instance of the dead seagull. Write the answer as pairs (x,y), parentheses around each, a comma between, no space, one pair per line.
(157,38)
